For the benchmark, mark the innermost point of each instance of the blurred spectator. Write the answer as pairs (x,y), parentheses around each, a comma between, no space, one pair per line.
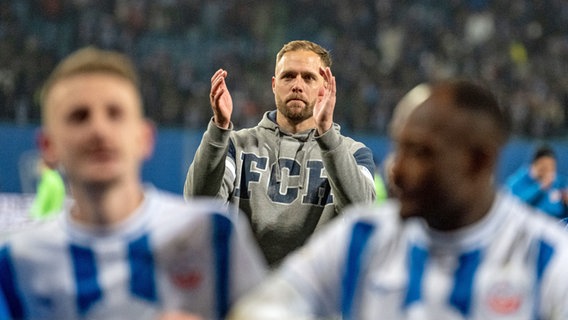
(50,193)
(540,185)
(520,48)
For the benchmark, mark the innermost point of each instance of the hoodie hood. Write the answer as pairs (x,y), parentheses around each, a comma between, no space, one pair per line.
(268,121)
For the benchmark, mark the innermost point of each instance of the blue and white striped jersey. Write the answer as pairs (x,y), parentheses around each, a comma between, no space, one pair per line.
(510,265)
(171,255)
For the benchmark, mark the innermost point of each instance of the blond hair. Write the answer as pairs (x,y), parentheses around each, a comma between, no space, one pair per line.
(90,60)
(297,45)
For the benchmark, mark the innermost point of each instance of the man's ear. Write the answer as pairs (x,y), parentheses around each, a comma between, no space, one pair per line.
(273,83)
(47,149)
(148,138)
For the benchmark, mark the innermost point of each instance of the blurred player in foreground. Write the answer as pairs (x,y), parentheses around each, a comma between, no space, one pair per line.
(452,247)
(123,250)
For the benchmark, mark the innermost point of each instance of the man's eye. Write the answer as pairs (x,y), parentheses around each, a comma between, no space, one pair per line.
(420,152)
(414,151)
(78,115)
(115,112)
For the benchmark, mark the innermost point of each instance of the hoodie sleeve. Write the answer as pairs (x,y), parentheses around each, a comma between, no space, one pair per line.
(350,169)
(207,175)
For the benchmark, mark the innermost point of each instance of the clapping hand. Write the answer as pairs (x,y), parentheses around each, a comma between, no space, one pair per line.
(325,105)
(220,99)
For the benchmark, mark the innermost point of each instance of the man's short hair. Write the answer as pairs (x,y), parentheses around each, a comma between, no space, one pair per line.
(90,60)
(297,45)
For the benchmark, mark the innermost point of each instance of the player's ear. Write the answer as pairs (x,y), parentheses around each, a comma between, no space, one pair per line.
(148,138)
(273,83)
(46,148)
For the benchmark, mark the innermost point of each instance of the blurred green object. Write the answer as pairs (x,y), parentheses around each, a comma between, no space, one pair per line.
(50,194)
(380,189)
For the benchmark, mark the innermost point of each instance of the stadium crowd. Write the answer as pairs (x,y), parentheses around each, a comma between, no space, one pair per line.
(381,49)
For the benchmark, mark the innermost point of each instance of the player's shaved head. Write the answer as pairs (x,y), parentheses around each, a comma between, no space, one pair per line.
(480,118)
(448,137)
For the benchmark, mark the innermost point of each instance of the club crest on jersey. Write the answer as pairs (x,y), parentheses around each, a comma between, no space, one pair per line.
(184,269)
(186,279)
(505,298)
(184,273)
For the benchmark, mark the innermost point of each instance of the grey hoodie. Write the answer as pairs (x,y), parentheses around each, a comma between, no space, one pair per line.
(288,185)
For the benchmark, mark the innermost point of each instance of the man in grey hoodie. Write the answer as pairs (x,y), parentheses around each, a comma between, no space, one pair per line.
(292,172)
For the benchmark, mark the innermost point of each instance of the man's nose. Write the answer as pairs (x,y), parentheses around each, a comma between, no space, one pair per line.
(99,123)
(297,84)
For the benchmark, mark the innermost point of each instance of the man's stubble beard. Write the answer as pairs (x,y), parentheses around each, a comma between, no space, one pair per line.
(292,114)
